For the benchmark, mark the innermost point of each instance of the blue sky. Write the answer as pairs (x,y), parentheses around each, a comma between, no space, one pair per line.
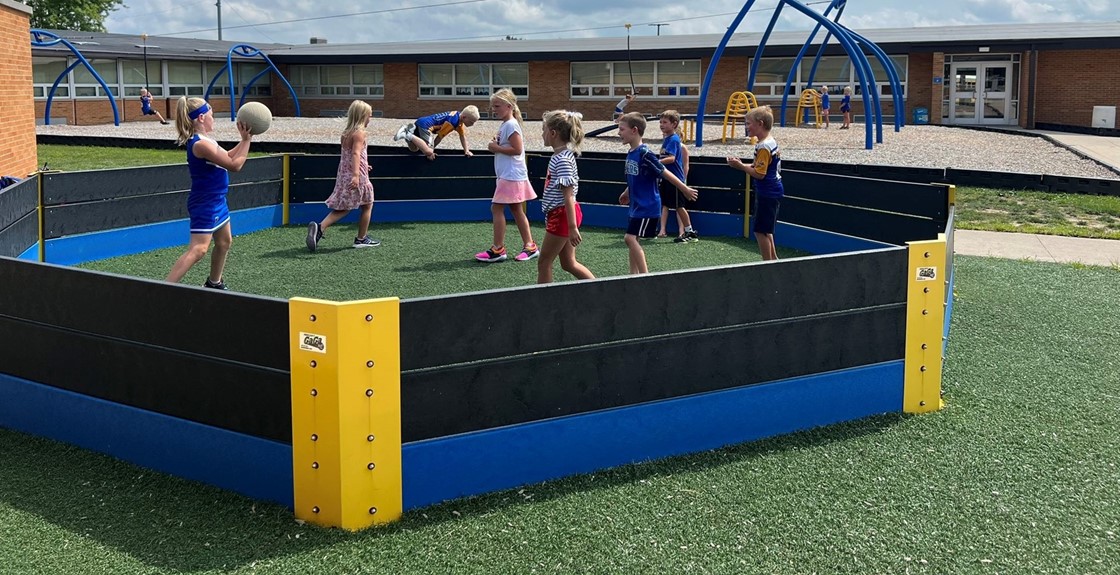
(296,21)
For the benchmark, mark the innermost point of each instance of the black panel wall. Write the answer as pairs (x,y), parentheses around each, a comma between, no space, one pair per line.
(213,357)
(643,338)
(19,218)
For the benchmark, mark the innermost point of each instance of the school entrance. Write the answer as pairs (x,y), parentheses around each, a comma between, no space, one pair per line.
(982,89)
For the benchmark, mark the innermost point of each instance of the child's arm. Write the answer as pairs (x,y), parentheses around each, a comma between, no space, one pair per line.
(515,147)
(748,168)
(463,140)
(357,144)
(624,199)
(684,154)
(232,160)
(688,192)
(574,236)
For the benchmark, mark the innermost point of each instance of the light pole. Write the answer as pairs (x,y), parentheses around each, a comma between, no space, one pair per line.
(659,25)
(219,5)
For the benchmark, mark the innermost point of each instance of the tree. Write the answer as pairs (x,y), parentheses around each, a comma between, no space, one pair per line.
(80,15)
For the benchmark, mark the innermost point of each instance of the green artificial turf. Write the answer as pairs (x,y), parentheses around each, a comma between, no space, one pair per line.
(1017,474)
(415,259)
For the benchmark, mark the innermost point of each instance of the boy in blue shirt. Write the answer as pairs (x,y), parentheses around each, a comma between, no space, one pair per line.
(767,173)
(426,133)
(146,106)
(643,168)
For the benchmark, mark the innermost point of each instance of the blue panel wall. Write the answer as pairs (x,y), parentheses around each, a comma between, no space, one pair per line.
(821,242)
(254,467)
(474,463)
(80,248)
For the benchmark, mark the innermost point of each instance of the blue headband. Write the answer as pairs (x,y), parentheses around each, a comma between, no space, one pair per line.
(194,114)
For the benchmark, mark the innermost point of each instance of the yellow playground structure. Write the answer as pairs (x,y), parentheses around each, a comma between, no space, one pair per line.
(810,100)
(737,107)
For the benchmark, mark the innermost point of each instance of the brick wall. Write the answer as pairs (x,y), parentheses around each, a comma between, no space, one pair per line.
(17,122)
(1071,82)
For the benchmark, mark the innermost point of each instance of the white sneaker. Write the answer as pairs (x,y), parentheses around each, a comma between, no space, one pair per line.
(402,132)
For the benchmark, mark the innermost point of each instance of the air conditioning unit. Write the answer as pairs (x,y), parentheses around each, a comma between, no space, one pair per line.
(318,40)
(1104,117)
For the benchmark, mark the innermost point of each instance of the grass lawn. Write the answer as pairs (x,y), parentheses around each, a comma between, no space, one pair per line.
(415,260)
(1018,474)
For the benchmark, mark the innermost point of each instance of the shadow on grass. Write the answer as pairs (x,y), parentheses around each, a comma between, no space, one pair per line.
(171,524)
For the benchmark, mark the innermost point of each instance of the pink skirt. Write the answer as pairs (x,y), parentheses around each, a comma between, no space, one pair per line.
(513,192)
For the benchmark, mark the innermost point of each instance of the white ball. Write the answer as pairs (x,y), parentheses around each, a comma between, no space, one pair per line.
(255,115)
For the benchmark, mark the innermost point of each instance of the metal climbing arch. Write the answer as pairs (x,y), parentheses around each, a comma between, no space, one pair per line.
(42,39)
(247,51)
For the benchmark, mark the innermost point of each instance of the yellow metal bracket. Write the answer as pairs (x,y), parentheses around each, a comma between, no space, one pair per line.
(925,325)
(346,411)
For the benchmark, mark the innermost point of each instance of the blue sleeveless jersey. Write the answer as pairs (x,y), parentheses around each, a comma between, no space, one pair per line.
(206,203)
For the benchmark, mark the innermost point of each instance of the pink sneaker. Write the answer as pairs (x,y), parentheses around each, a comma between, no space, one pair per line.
(491,255)
(530,252)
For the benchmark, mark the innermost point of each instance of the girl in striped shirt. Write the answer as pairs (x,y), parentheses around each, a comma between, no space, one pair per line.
(563,132)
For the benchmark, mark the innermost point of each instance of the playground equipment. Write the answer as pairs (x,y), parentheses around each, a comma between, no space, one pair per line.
(737,107)
(248,52)
(810,100)
(849,40)
(41,39)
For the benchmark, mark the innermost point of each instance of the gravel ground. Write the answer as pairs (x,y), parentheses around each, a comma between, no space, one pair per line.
(918,146)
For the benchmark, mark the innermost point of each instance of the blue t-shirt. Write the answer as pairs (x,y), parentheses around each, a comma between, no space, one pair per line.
(672,147)
(768,157)
(643,169)
(442,123)
(824,100)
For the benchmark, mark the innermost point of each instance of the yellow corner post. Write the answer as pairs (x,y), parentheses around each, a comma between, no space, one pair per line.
(925,325)
(346,411)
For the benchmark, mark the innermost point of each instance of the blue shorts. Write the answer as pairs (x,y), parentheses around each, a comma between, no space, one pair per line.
(643,227)
(148,111)
(766,215)
(208,213)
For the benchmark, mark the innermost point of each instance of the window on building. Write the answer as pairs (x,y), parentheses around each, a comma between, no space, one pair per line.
(44,72)
(472,80)
(836,72)
(135,75)
(771,75)
(243,72)
(186,78)
(366,80)
(87,86)
(662,78)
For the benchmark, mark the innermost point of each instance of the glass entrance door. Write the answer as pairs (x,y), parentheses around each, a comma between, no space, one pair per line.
(980,94)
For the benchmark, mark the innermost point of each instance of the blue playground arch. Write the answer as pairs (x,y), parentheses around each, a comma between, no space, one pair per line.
(41,39)
(248,52)
(849,40)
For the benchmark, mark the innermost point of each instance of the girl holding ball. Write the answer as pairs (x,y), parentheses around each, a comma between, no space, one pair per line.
(209,166)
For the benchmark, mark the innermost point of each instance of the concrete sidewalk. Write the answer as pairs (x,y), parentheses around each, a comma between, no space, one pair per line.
(1059,249)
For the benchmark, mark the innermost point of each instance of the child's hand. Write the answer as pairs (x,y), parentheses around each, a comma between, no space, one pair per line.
(574,237)
(468,153)
(243,129)
(431,156)
(735,163)
(691,194)
(624,199)
(493,145)
(354,181)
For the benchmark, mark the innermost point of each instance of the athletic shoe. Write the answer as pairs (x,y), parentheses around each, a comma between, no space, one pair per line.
(531,251)
(314,234)
(490,256)
(692,236)
(164,122)
(221,285)
(402,132)
(681,239)
(366,242)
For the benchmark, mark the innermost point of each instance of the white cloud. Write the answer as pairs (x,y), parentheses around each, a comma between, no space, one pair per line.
(295,21)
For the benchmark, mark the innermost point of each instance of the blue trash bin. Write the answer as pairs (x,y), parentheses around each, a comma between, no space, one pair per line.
(921,116)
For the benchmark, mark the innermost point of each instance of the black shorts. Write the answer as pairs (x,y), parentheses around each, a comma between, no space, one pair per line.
(643,227)
(766,215)
(671,197)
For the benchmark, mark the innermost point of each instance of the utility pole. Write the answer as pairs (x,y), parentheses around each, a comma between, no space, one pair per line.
(219,5)
(659,25)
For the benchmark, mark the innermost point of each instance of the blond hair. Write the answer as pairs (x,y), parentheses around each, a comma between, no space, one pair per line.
(567,125)
(674,117)
(355,117)
(506,95)
(634,120)
(184,125)
(762,114)
(469,113)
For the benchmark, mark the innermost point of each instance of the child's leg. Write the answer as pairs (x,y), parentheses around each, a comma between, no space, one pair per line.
(664,221)
(223,239)
(826,110)
(569,264)
(363,219)
(637,255)
(683,219)
(498,212)
(550,248)
(331,219)
(766,246)
(195,252)
(422,146)
(522,222)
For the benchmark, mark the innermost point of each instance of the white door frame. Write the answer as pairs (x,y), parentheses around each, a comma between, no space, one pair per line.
(981,101)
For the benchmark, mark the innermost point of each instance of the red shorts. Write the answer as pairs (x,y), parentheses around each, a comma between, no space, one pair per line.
(556,221)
